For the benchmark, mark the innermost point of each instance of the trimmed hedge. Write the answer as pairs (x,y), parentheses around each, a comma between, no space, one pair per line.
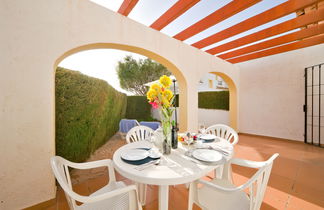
(138,108)
(211,100)
(88,111)
(214,100)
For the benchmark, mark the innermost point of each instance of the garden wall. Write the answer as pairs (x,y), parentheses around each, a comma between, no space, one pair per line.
(88,111)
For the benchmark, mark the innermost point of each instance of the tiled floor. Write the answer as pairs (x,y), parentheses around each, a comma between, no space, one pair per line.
(296,181)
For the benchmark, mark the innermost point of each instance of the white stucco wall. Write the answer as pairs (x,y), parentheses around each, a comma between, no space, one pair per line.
(34,37)
(208,117)
(272,93)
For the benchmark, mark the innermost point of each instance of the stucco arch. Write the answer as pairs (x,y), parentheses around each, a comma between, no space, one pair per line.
(170,66)
(28,88)
(233,98)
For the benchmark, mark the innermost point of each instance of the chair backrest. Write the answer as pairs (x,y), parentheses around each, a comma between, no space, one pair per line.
(139,133)
(223,131)
(258,183)
(60,168)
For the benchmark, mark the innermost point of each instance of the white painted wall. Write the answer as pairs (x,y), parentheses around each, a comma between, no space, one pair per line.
(208,117)
(37,35)
(272,93)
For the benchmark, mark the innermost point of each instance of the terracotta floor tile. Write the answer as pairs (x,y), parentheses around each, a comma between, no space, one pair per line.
(311,176)
(286,167)
(97,183)
(53,207)
(296,181)
(296,203)
(309,194)
(275,198)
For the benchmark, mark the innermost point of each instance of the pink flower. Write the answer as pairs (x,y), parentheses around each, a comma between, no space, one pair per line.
(154,105)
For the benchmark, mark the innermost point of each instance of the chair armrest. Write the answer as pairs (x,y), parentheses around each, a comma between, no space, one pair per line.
(217,187)
(253,164)
(96,198)
(95,164)
(247,163)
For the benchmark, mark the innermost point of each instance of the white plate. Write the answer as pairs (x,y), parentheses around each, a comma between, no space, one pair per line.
(208,137)
(207,155)
(135,154)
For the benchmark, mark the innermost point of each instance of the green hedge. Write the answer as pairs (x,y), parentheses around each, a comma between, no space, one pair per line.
(211,100)
(214,100)
(88,111)
(138,108)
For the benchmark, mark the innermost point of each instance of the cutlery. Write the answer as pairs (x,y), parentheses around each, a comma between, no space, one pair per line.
(148,164)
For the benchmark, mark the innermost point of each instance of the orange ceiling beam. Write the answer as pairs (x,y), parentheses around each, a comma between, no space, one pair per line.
(288,25)
(284,48)
(219,15)
(171,14)
(127,6)
(298,35)
(279,11)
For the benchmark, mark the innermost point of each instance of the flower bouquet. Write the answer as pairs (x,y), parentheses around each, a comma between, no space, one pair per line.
(161,97)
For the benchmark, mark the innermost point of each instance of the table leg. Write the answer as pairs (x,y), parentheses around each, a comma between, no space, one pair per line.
(163,197)
(142,193)
(227,172)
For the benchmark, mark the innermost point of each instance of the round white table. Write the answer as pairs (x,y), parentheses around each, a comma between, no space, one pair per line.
(174,169)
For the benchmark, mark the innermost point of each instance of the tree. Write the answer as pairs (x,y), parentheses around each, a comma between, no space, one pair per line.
(134,74)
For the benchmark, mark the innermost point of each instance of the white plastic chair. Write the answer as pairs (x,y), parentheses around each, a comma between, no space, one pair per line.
(222,194)
(139,133)
(115,195)
(223,131)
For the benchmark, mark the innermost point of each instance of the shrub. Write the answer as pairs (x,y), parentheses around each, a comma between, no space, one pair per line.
(88,111)
(214,100)
(211,100)
(138,108)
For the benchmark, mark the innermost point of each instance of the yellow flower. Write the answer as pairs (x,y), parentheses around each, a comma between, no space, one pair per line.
(151,95)
(165,102)
(165,81)
(156,87)
(168,94)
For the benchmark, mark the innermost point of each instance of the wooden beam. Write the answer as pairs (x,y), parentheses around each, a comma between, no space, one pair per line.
(289,25)
(279,11)
(127,7)
(171,14)
(219,15)
(319,39)
(298,35)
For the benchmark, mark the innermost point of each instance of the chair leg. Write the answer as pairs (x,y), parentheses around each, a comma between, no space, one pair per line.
(192,190)
(141,193)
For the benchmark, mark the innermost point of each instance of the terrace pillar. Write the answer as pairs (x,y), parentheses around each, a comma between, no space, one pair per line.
(188,106)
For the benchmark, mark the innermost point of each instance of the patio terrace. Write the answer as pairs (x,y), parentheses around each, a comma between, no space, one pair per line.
(296,180)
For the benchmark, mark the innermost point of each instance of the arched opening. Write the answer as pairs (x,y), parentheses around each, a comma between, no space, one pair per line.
(217,86)
(171,67)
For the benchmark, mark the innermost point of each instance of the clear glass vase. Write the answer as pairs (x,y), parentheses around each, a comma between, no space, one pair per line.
(167,140)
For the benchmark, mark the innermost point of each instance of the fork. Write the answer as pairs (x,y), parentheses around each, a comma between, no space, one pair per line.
(148,164)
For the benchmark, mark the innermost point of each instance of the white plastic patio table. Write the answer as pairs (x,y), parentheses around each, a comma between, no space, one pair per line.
(174,169)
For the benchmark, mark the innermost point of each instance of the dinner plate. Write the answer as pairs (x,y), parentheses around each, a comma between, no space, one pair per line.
(135,154)
(207,155)
(208,137)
